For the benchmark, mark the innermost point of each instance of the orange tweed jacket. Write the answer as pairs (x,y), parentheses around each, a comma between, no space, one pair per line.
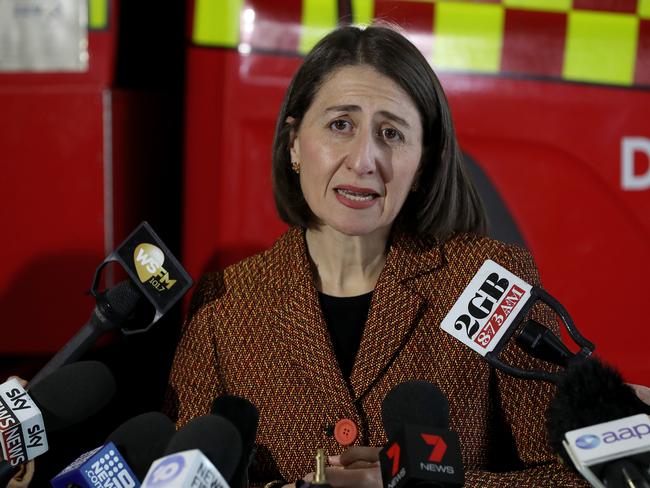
(256,330)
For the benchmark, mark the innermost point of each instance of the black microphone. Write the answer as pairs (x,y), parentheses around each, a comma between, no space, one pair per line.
(205,452)
(245,417)
(124,458)
(597,423)
(64,398)
(143,439)
(538,341)
(421,450)
(113,308)
(142,255)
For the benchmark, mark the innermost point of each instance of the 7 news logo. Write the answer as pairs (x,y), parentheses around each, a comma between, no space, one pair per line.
(422,454)
(434,458)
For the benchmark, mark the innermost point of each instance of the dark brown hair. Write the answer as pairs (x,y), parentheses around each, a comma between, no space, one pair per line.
(445,201)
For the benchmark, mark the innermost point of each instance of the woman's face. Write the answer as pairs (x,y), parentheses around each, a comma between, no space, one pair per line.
(359,147)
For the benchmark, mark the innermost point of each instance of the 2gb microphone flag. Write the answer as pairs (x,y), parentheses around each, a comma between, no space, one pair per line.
(488,311)
(152,267)
(487,308)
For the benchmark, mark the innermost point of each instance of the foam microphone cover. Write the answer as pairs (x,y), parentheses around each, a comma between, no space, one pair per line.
(73,393)
(414,402)
(123,298)
(143,439)
(245,417)
(216,437)
(590,392)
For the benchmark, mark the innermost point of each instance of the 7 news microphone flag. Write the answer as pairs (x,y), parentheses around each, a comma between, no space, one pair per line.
(154,273)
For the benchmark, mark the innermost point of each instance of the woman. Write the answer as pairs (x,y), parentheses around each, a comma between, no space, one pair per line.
(385,236)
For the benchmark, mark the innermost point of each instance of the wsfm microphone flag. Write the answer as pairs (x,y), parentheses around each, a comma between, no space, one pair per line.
(152,267)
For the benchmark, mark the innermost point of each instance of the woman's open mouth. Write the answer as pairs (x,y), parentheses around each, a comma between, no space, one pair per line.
(356,197)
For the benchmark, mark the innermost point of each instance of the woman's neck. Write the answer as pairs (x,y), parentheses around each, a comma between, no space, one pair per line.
(346,265)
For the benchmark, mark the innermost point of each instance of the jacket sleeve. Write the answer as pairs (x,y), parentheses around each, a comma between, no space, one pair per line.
(194,382)
(523,404)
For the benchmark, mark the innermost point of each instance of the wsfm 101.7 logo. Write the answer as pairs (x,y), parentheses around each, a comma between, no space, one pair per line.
(149,261)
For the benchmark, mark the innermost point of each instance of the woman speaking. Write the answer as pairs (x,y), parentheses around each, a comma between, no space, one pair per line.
(385,233)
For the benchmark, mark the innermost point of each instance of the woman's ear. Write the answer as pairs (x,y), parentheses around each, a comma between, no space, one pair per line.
(294,146)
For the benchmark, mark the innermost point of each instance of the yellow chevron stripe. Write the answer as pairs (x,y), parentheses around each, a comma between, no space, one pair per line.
(216,22)
(363,11)
(601,47)
(468,36)
(318,18)
(97,14)
(540,5)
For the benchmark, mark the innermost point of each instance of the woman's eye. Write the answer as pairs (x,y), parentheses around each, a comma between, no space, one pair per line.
(391,135)
(340,125)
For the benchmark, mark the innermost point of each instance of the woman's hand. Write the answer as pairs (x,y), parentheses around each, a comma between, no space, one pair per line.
(356,467)
(643,392)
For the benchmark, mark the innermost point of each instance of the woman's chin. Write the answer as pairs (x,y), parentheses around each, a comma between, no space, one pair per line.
(357,229)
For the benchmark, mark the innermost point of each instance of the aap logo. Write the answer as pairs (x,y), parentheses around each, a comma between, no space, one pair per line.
(587,441)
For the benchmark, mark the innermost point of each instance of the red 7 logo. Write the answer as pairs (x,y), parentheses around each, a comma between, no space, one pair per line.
(439,446)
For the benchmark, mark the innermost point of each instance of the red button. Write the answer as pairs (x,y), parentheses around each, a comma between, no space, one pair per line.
(345,432)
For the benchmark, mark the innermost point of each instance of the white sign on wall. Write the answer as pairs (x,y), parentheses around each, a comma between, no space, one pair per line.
(43,35)
(631,179)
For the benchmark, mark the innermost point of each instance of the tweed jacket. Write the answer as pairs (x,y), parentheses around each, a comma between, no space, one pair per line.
(256,330)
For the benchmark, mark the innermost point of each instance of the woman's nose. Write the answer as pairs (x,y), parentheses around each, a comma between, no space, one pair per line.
(363,155)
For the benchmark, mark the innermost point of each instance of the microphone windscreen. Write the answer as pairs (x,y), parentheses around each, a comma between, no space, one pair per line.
(216,437)
(243,415)
(414,402)
(590,392)
(73,393)
(143,439)
(123,298)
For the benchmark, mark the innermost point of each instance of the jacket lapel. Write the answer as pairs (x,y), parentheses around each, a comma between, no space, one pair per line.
(395,309)
(298,317)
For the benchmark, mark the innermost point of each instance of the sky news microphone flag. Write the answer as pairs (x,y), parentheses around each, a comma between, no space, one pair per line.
(66,397)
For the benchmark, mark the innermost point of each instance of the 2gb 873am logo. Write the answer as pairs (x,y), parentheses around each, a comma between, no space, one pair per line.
(486,307)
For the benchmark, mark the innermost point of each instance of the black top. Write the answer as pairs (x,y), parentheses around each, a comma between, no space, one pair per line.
(345,318)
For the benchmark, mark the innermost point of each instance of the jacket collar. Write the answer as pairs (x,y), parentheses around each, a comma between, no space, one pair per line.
(396,306)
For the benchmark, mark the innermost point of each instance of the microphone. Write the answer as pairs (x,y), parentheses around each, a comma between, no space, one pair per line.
(421,450)
(245,417)
(539,342)
(142,256)
(205,452)
(124,458)
(597,423)
(491,307)
(143,439)
(62,399)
